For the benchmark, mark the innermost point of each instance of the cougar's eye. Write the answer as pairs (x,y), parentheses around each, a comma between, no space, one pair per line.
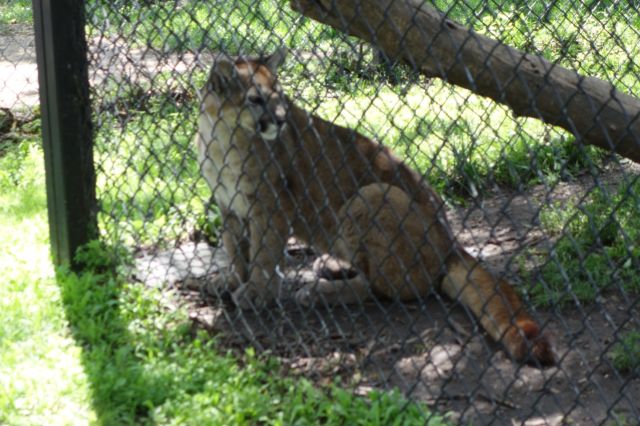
(256,100)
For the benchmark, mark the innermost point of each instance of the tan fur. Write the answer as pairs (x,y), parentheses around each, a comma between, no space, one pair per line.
(276,169)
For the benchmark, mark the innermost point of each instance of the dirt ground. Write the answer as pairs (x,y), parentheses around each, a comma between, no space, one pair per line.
(430,349)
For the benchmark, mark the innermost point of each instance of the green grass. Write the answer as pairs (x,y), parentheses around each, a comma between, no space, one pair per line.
(93,348)
(625,354)
(596,250)
(14,12)
(41,375)
(149,185)
(145,364)
(233,27)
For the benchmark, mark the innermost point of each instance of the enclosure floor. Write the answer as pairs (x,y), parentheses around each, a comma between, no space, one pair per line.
(430,349)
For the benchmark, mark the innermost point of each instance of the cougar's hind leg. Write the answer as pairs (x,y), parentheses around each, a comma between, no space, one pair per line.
(341,275)
(379,249)
(395,243)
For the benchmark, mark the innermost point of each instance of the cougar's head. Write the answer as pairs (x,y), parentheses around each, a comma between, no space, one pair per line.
(245,92)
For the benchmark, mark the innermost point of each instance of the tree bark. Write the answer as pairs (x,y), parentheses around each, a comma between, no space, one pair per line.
(415,33)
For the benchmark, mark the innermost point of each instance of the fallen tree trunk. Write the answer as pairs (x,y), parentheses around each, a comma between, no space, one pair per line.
(415,33)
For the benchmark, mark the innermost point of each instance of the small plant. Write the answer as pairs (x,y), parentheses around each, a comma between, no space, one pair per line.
(625,355)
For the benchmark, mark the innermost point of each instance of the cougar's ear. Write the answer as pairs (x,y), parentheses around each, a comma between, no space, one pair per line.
(276,59)
(221,74)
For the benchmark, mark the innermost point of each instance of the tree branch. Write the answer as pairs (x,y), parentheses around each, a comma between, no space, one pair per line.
(415,33)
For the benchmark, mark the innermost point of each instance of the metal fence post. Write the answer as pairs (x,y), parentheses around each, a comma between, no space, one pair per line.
(61,50)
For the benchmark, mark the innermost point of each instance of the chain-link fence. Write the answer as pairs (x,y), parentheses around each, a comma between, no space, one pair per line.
(285,226)
(18,78)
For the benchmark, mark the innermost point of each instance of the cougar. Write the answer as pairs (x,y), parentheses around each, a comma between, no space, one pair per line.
(277,170)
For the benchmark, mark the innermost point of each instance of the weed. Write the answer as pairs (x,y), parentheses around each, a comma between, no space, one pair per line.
(625,354)
(596,248)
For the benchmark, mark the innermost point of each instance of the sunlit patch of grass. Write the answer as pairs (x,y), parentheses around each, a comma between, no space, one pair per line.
(241,26)
(149,182)
(41,377)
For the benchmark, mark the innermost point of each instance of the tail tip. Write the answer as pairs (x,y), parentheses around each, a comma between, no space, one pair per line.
(528,345)
(542,352)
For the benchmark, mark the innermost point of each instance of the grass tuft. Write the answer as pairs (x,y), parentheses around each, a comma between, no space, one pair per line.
(625,354)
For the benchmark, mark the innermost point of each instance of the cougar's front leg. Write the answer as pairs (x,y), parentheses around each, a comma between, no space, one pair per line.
(268,235)
(236,243)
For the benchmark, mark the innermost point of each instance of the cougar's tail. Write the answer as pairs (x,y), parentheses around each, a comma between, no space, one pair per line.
(499,309)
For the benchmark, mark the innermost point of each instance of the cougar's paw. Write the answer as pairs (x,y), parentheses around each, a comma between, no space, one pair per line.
(333,268)
(225,281)
(252,296)
(527,344)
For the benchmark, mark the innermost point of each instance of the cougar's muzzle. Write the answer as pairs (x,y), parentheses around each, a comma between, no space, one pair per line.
(272,122)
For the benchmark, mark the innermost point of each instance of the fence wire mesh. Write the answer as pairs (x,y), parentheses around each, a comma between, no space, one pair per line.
(293,177)
(18,83)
